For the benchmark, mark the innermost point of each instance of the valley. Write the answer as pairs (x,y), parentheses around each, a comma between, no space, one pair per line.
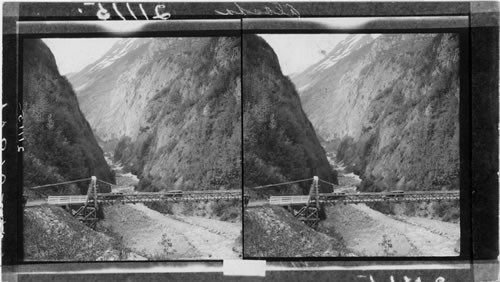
(157,236)
(384,108)
(144,122)
(367,232)
(167,237)
(349,230)
(165,122)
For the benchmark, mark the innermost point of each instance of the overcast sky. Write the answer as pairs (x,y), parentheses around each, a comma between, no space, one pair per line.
(296,52)
(73,54)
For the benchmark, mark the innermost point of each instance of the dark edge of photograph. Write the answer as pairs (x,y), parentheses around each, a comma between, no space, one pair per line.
(483,36)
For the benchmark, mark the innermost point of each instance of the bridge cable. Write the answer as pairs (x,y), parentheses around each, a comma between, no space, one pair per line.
(326,182)
(278,184)
(106,182)
(61,183)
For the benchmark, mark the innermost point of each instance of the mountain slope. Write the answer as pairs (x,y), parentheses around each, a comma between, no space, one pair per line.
(59,144)
(279,141)
(391,108)
(170,108)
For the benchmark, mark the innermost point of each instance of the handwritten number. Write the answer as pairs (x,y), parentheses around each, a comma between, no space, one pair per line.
(164,16)
(131,12)
(103,14)
(143,12)
(118,12)
(160,13)
(293,11)
(406,278)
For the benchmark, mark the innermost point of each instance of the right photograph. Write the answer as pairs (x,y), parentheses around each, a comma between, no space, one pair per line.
(351,145)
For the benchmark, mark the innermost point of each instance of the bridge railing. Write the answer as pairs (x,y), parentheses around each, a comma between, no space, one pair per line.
(138,197)
(288,200)
(67,200)
(389,197)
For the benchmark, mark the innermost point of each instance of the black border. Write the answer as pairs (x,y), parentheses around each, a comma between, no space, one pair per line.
(482,106)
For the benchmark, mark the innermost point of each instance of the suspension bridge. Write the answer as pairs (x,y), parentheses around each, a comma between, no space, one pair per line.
(88,204)
(310,204)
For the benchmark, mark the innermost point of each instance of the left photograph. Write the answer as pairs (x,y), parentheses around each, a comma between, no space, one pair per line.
(132,148)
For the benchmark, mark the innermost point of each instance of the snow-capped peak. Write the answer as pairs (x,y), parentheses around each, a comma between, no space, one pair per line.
(343,48)
(118,50)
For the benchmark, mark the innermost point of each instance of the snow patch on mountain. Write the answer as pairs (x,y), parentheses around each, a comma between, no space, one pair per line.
(121,48)
(343,49)
(304,87)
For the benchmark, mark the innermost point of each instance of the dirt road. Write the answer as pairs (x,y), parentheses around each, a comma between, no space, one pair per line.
(367,232)
(158,236)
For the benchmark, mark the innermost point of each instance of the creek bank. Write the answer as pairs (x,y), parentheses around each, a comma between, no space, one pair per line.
(367,232)
(159,236)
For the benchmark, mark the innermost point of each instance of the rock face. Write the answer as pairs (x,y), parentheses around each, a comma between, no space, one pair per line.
(274,232)
(389,106)
(52,234)
(280,143)
(170,108)
(59,144)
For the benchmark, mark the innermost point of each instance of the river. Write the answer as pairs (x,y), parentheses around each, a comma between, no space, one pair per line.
(126,180)
(367,232)
(156,236)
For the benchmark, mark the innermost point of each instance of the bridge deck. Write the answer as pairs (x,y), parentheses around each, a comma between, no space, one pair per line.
(143,197)
(288,200)
(355,198)
(169,196)
(348,198)
(67,200)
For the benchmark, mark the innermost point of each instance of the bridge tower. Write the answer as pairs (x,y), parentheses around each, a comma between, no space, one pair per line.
(309,214)
(88,212)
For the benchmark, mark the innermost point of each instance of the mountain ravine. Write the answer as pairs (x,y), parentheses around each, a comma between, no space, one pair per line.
(170,109)
(280,143)
(388,107)
(60,145)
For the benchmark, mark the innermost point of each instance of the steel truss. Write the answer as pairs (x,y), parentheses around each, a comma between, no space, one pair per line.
(334,198)
(145,197)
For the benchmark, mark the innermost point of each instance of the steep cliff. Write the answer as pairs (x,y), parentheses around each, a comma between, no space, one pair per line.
(280,143)
(170,108)
(59,143)
(390,104)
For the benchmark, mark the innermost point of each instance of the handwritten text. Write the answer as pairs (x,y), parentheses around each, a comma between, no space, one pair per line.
(406,279)
(105,14)
(276,10)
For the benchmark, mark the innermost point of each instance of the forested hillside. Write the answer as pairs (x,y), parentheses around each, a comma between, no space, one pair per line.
(59,143)
(169,109)
(280,143)
(389,108)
